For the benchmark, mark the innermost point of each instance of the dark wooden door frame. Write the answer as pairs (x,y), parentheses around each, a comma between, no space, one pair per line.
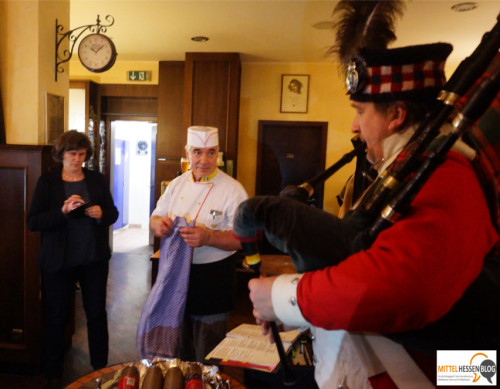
(263,124)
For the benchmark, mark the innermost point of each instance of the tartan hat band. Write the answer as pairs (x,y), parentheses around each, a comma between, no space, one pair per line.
(408,73)
(390,79)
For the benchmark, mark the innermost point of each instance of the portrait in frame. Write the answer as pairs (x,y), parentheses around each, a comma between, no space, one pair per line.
(54,117)
(294,93)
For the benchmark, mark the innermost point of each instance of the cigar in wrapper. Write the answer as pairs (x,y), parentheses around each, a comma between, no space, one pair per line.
(153,378)
(129,378)
(174,378)
(193,377)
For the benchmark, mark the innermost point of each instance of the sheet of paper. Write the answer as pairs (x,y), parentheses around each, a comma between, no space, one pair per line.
(246,346)
(254,331)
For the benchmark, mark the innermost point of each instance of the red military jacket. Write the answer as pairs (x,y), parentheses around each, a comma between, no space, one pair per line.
(415,270)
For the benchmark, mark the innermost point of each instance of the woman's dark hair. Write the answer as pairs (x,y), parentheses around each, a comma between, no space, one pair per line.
(71,140)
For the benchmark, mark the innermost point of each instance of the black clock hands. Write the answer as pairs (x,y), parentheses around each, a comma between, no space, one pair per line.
(96,48)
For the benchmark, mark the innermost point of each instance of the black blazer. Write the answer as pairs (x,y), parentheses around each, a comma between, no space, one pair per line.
(45,215)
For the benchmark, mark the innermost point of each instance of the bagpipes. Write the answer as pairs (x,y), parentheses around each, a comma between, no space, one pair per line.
(388,198)
(304,191)
(390,195)
(396,183)
(475,107)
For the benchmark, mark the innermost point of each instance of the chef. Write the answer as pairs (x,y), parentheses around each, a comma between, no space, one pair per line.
(209,197)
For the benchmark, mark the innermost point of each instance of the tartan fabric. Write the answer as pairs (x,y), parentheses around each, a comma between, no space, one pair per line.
(485,138)
(160,325)
(400,78)
(405,73)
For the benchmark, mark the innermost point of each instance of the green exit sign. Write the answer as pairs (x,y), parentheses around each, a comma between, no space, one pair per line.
(138,75)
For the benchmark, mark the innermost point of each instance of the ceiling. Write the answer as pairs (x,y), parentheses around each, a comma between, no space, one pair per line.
(267,30)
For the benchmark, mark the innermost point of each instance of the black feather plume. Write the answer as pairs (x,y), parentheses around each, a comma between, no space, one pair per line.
(360,24)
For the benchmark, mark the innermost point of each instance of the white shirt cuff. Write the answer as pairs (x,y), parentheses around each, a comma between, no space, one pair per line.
(284,299)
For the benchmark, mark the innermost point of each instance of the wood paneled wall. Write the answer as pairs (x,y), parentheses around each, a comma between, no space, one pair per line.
(212,97)
(171,136)
(20,283)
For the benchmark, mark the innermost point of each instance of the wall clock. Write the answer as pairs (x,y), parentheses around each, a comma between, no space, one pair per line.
(97,53)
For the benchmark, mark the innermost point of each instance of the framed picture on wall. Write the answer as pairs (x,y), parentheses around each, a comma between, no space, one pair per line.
(54,117)
(294,93)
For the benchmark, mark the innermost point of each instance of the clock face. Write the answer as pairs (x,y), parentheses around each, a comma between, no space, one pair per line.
(97,52)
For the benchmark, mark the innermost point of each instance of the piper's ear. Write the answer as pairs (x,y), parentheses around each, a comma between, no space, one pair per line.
(398,115)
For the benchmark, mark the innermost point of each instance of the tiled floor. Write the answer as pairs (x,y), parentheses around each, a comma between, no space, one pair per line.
(132,240)
(128,287)
(129,284)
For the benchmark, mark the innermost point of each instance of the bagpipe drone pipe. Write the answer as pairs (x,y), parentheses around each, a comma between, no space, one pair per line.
(462,80)
(293,227)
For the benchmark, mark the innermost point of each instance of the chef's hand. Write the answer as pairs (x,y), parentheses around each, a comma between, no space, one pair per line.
(94,211)
(195,236)
(260,295)
(71,203)
(161,226)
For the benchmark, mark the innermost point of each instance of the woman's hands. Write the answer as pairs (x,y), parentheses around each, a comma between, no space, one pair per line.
(94,211)
(71,203)
(74,201)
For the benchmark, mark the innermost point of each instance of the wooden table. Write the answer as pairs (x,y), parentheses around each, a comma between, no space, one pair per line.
(271,265)
(274,265)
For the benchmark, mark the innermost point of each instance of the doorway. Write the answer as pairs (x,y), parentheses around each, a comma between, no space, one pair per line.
(133,145)
(290,153)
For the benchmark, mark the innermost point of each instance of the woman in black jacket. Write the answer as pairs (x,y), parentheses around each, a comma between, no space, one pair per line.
(73,208)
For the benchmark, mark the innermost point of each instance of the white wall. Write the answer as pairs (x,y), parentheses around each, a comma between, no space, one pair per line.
(76,116)
(140,169)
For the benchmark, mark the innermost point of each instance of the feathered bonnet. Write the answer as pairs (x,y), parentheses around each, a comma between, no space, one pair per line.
(373,72)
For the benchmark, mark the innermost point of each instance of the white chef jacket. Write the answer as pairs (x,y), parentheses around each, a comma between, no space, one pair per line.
(211,202)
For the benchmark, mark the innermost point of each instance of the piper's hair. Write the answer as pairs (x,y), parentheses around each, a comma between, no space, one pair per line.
(71,140)
(415,110)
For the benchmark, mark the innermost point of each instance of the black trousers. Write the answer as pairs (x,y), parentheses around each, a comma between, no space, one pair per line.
(59,290)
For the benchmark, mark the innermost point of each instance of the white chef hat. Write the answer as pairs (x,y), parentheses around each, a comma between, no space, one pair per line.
(201,136)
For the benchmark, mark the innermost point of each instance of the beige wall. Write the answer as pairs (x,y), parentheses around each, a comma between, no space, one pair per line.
(260,100)
(27,74)
(27,66)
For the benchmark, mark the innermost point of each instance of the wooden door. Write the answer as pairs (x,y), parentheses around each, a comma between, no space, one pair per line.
(20,282)
(290,153)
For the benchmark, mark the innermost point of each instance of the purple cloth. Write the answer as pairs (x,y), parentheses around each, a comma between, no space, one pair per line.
(160,325)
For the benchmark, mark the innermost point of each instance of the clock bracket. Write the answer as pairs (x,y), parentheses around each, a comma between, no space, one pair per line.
(73,36)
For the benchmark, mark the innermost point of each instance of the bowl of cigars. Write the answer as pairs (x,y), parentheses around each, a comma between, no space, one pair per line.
(161,373)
